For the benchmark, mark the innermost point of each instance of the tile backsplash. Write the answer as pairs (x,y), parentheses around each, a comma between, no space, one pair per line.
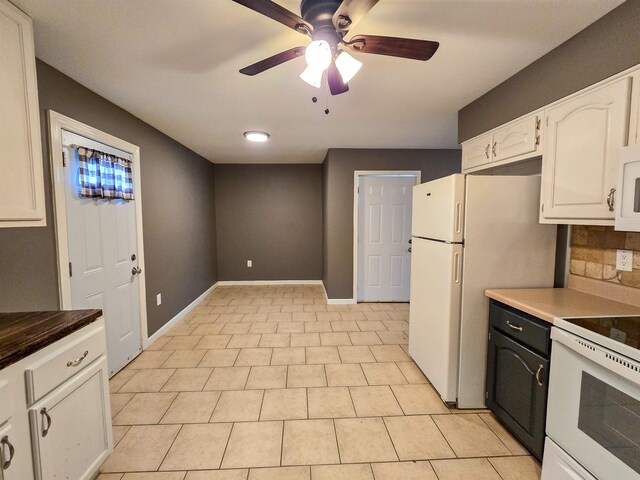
(593,254)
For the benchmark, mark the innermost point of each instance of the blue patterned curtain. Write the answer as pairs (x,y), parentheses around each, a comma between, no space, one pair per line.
(104,176)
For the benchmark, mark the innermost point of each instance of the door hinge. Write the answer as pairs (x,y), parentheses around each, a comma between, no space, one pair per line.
(64,158)
(489,335)
(547,121)
(70,270)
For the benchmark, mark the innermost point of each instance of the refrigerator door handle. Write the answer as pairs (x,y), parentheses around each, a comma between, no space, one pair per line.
(456,268)
(458,217)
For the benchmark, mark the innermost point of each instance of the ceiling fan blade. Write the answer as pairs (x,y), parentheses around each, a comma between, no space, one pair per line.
(273,61)
(394,47)
(279,14)
(351,12)
(336,85)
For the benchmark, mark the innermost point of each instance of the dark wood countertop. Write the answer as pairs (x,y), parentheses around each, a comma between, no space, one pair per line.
(24,333)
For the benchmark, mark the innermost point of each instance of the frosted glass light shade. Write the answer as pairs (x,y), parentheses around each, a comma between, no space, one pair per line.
(312,76)
(318,55)
(256,137)
(347,66)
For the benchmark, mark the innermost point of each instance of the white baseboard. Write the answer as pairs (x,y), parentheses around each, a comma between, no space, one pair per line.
(338,301)
(341,301)
(178,317)
(269,282)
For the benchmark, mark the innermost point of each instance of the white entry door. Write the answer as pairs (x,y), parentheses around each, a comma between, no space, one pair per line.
(102,238)
(384,234)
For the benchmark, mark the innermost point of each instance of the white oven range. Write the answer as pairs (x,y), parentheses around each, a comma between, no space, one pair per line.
(593,412)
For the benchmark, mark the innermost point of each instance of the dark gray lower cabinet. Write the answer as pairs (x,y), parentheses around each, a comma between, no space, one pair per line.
(517,373)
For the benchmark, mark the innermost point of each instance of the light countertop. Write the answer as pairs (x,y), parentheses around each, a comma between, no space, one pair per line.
(547,303)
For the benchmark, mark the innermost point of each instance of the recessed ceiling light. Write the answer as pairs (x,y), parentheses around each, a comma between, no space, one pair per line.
(258,137)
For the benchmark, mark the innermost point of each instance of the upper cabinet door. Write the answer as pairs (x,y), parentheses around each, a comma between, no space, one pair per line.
(21,177)
(476,152)
(583,139)
(518,138)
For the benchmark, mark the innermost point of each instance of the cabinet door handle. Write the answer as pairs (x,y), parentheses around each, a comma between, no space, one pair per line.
(47,419)
(486,150)
(5,442)
(538,372)
(517,328)
(78,361)
(493,149)
(611,199)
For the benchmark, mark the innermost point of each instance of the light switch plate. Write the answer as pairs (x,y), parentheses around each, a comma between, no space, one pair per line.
(158,299)
(624,260)
(249,263)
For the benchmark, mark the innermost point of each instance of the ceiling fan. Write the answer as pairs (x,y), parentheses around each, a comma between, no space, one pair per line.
(328,22)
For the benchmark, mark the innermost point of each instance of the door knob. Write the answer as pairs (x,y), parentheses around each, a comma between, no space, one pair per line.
(136,270)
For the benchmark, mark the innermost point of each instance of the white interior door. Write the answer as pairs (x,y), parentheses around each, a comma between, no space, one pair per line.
(102,238)
(384,234)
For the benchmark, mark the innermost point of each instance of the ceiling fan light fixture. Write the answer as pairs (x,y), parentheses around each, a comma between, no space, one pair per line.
(256,137)
(313,76)
(347,66)
(318,55)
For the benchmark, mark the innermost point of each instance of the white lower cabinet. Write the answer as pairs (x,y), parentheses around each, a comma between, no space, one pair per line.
(65,431)
(70,429)
(583,140)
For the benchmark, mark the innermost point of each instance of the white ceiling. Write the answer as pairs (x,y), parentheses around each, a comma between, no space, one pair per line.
(174,64)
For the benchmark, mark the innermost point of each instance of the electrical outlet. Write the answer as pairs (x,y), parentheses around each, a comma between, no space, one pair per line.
(158,299)
(618,335)
(249,263)
(624,260)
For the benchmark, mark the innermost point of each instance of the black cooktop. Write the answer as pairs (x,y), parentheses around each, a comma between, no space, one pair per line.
(621,329)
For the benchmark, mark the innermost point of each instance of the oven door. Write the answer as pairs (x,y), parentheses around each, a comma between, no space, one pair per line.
(594,406)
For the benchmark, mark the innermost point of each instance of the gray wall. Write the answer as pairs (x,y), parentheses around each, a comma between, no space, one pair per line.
(339,167)
(177,210)
(271,214)
(604,48)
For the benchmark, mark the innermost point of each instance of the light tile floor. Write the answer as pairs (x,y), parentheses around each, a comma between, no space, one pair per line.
(265,383)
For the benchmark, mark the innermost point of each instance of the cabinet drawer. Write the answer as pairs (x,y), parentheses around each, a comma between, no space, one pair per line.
(64,362)
(524,328)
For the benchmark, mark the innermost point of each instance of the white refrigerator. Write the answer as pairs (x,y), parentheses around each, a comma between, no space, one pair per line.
(470,233)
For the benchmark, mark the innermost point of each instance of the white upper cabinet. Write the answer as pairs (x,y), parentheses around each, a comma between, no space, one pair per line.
(476,152)
(515,141)
(583,139)
(21,177)
(517,138)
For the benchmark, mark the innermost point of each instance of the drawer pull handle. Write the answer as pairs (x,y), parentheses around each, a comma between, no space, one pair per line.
(5,442)
(78,361)
(517,328)
(538,372)
(46,418)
